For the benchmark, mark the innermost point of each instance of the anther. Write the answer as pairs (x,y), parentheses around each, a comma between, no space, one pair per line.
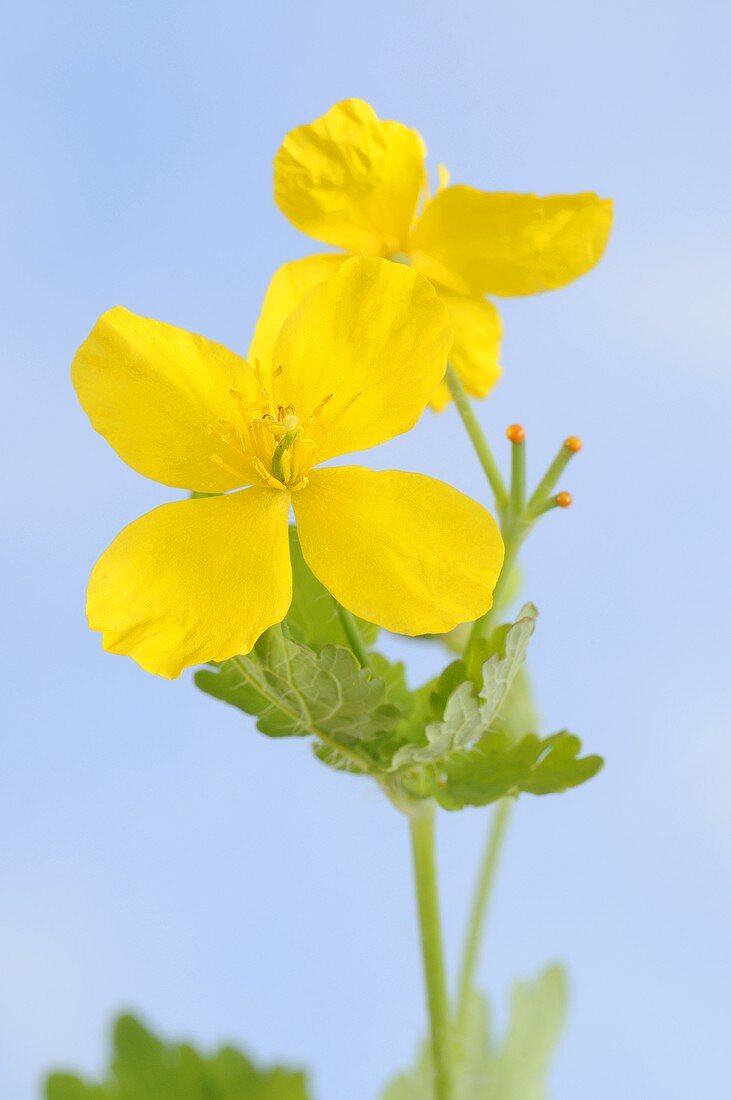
(516,433)
(564,500)
(573,444)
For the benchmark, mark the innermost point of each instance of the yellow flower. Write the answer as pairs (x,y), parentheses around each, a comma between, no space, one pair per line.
(356,182)
(201,579)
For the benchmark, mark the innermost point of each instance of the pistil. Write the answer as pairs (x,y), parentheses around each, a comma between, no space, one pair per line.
(291,426)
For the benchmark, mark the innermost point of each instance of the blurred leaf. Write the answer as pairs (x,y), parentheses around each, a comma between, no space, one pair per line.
(537,1018)
(486,1069)
(312,617)
(518,714)
(295,692)
(145,1068)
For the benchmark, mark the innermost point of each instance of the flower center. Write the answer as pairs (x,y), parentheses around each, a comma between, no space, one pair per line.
(268,442)
(291,426)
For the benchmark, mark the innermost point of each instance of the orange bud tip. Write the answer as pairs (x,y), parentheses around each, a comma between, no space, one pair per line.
(573,444)
(564,500)
(515,433)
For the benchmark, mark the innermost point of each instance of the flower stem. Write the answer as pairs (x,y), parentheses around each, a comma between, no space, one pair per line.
(566,452)
(477,436)
(478,912)
(513,536)
(354,636)
(422,844)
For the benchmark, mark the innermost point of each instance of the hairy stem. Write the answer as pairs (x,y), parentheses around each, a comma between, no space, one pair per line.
(422,844)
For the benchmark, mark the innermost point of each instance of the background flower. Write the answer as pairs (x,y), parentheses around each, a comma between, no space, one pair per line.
(357,182)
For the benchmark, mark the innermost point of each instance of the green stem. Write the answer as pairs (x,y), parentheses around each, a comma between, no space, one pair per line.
(478,913)
(354,636)
(422,845)
(517,479)
(477,436)
(513,536)
(550,478)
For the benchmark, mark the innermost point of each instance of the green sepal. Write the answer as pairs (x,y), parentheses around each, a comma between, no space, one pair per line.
(144,1067)
(312,617)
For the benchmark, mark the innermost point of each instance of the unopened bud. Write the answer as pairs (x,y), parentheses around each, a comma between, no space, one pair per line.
(573,444)
(516,433)
(564,500)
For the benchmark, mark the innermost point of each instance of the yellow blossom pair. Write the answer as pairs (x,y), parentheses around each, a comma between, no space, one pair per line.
(354,365)
(359,183)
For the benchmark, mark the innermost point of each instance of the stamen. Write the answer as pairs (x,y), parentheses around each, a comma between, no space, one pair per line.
(218,461)
(318,408)
(352,401)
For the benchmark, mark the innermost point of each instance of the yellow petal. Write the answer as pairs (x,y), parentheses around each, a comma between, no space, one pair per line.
(371,344)
(194,581)
(155,392)
(476,349)
(351,179)
(401,550)
(288,286)
(481,242)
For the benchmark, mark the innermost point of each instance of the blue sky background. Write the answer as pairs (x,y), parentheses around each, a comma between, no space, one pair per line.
(155,851)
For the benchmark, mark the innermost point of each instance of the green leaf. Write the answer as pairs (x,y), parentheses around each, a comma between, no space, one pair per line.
(296,692)
(487,1069)
(312,617)
(145,1068)
(497,767)
(459,729)
(518,714)
(501,667)
(465,719)
(393,674)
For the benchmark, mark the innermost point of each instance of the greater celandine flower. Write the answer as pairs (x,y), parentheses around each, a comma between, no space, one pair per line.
(199,580)
(360,183)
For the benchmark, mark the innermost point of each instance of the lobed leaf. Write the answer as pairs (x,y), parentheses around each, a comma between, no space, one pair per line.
(501,668)
(295,692)
(144,1067)
(497,767)
(464,717)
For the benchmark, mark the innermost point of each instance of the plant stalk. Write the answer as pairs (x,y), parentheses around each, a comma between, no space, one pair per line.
(513,537)
(477,436)
(422,845)
(478,913)
(354,636)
